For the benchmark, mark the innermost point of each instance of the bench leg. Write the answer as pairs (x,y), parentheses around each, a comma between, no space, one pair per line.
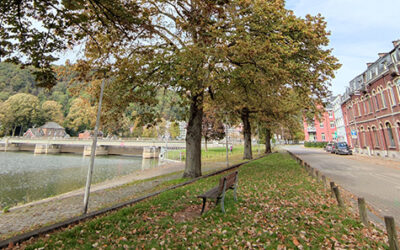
(222,203)
(234,189)
(204,205)
(234,193)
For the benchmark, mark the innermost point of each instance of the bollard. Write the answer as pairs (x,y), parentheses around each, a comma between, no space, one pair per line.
(338,197)
(324,181)
(310,171)
(332,185)
(313,172)
(362,211)
(392,234)
(317,175)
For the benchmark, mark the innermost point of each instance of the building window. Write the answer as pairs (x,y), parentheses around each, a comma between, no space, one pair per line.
(370,138)
(364,138)
(332,124)
(383,99)
(398,89)
(376,136)
(376,101)
(390,134)
(321,125)
(330,114)
(333,136)
(358,108)
(398,129)
(369,104)
(392,98)
(365,108)
(323,136)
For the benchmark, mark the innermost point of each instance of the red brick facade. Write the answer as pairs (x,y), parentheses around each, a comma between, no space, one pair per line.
(371,107)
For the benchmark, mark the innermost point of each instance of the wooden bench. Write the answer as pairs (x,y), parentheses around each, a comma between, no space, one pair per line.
(218,192)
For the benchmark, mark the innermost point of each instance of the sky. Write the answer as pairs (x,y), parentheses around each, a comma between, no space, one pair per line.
(360,29)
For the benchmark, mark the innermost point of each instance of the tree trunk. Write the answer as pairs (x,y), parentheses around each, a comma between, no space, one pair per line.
(268,141)
(245,114)
(13,131)
(205,144)
(193,138)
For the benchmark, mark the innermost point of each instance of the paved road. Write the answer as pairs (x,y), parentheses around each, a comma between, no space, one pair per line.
(377,180)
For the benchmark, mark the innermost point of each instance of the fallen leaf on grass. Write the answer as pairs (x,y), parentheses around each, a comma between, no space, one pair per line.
(295,241)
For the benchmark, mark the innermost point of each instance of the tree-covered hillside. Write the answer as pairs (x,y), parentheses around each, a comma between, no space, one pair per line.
(24,105)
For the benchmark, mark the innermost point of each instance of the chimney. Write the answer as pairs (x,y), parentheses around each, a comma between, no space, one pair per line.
(369,64)
(396,43)
(382,55)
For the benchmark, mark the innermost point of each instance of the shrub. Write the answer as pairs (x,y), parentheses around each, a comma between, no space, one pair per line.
(312,144)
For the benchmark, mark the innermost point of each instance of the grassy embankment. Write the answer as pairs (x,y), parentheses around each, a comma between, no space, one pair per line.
(217,153)
(279,205)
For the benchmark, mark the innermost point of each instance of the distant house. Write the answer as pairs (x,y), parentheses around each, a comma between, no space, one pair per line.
(50,129)
(34,133)
(87,134)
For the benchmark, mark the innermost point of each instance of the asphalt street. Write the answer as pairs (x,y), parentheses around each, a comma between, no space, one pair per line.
(377,180)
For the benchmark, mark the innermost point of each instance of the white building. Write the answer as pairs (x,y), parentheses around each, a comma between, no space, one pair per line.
(339,121)
(182,130)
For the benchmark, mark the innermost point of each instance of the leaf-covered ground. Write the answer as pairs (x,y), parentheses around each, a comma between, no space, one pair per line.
(278,206)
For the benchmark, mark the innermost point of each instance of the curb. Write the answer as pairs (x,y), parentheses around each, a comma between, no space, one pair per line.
(77,219)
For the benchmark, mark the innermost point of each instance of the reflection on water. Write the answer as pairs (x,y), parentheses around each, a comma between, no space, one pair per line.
(26,177)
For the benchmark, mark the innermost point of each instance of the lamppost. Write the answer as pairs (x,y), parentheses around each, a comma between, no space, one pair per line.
(93,151)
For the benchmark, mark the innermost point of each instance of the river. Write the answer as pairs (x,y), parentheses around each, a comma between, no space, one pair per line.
(25,177)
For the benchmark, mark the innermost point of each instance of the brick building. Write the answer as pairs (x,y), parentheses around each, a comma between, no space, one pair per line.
(323,129)
(371,107)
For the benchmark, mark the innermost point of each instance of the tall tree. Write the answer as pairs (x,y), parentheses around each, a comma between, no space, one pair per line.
(81,116)
(187,58)
(52,111)
(273,54)
(212,126)
(21,111)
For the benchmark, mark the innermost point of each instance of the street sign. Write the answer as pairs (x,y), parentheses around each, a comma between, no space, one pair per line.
(354,134)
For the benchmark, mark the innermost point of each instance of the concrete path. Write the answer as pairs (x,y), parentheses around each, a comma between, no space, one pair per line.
(51,210)
(375,179)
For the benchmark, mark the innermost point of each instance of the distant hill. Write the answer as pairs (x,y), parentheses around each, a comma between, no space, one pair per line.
(14,80)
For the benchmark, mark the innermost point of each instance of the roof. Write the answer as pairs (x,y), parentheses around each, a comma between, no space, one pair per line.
(53,125)
(35,131)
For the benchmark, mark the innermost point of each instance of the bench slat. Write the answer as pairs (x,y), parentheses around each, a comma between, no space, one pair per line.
(212,193)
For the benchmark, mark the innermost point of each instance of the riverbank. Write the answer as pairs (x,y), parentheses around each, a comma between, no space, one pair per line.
(279,206)
(37,214)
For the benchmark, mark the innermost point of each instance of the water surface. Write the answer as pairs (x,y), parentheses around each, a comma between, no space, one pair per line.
(26,177)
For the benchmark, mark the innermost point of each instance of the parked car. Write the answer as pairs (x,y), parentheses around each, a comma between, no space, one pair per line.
(341,148)
(328,147)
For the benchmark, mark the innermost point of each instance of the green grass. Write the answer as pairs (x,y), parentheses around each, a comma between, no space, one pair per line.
(279,205)
(216,154)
